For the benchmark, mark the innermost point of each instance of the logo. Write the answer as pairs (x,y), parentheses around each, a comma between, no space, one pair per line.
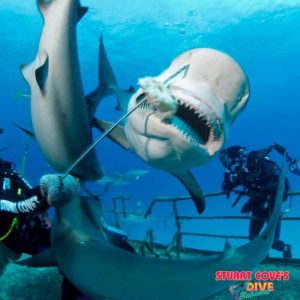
(252,285)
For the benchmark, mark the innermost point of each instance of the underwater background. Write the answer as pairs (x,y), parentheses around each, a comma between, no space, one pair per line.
(141,39)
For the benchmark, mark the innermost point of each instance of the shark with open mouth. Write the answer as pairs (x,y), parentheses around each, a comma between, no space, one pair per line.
(187,116)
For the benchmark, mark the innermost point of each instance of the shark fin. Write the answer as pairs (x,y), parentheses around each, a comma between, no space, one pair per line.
(117,135)
(106,80)
(41,73)
(26,131)
(107,85)
(26,71)
(43,6)
(82,10)
(43,259)
(278,200)
(191,184)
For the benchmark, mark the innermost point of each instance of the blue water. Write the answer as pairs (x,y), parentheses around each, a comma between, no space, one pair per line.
(142,38)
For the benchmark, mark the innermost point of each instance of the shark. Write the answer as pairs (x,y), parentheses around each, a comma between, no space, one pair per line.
(59,113)
(119,179)
(101,270)
(186,119)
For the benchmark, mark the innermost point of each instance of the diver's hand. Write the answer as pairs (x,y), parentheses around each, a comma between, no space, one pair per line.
(58,191)
(246,208)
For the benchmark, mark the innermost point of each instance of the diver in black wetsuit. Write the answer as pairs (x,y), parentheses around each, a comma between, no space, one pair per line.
(17,200)
(259,176)
(23,228)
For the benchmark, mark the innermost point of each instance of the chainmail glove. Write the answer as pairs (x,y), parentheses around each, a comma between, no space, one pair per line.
(57,191)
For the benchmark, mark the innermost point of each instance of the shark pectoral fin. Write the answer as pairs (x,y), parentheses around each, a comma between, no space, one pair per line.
(26,71)
(191,184)
(26,131)
(117,135)
(43,259)
(41,73)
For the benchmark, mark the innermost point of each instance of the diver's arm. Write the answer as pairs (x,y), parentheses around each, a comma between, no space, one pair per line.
(31,204)
(231,180)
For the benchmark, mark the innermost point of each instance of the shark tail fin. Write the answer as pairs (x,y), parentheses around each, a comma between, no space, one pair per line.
(43,6)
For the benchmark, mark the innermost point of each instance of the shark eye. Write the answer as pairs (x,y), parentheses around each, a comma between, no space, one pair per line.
(140,97)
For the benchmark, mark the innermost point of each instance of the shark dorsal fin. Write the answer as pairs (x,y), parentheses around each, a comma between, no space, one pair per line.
(41,73)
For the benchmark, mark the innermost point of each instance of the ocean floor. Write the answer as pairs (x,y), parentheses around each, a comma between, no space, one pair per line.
(22,283)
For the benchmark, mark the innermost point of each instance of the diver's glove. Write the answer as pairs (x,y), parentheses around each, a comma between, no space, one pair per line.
(56,190)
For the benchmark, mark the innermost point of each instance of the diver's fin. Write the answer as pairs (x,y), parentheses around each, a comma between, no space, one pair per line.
(41,73)
(191,184)
(26,131)
(117,135)
(26,71)
(43,259)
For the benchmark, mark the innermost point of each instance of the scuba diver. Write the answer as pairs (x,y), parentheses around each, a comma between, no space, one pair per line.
(18,199)
(258,175)
(24,228)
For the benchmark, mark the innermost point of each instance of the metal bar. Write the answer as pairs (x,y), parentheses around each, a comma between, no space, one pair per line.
(215,235)
(233,217)
(115,209)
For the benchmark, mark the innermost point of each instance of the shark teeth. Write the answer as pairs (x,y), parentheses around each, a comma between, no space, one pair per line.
(192,123)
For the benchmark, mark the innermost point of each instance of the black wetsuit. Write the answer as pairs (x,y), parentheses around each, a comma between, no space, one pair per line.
(259,179)
(31,235)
